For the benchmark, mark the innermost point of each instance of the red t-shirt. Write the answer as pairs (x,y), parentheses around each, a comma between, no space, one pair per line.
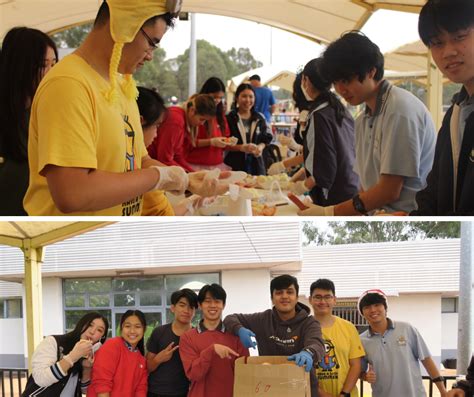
(210,375)
(207,155)
(118,371)
(168,145)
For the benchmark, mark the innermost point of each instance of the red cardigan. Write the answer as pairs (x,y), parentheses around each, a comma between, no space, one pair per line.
(118,371)
(210,375)
(168,145)
(206,155)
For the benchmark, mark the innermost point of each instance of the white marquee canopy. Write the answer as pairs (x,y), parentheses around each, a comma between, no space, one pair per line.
(319,20)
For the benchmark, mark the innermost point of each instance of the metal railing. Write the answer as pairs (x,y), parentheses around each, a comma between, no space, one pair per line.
(13,381)
(432,386)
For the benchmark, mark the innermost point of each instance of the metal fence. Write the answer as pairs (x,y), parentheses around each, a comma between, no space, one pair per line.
(431,388)
(13,381)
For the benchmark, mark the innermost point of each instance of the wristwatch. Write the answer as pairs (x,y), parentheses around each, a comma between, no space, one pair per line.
(344,394)
(358,205)
(438,379)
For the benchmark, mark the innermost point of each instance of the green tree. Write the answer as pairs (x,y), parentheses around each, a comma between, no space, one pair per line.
(211,61)
(158,74)
(72,37)
(353,232)
(242,60)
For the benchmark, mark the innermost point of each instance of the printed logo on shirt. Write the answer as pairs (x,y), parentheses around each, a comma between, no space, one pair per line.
(130,161)
(133,206)
(402,341)
(471,157)
(329,363)
(290,342)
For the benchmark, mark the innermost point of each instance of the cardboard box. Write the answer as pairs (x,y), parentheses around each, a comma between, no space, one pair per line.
(270,376)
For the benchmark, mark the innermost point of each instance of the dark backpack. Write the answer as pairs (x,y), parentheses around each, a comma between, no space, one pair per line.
(271,154)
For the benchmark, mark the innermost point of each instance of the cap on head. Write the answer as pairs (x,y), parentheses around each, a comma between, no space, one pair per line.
(371,297)
(126,19)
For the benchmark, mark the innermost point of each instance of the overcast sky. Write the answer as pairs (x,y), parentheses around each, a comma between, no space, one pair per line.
(288,51)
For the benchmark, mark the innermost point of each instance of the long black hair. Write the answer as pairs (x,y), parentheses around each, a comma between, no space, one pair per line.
(21,62)
(84,323)
(141,316)
(69,340)
(213,85)
(240,88)
(150,105)
(312,71)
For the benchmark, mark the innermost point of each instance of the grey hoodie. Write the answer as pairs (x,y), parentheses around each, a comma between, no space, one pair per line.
(276,337)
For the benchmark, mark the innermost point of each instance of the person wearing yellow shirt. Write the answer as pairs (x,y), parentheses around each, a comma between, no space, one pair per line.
(85,148)
(339,369)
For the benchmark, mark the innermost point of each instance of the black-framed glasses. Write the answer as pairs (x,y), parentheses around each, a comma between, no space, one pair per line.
(151,43)
(325,298)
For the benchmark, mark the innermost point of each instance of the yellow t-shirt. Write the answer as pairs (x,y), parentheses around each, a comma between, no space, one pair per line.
(72,125)
(156,204)
(342,343)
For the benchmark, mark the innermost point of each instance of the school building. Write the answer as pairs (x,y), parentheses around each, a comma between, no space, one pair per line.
(130,264)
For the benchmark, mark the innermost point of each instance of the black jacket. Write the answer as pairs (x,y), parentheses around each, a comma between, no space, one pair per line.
(236,160)
(65,345)
(437,197)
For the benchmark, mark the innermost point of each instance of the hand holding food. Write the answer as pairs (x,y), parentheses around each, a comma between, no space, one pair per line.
(218,142)
(172,179)
(82,348)
(206,187)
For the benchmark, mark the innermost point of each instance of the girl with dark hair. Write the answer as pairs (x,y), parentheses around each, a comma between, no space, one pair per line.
(180,125)
(27,55)
(61,364)
(120,366)
(152,111)
(207,150)
(328,143)
(251,131)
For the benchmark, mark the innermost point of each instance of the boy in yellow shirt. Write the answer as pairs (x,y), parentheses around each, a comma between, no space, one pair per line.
(339,369)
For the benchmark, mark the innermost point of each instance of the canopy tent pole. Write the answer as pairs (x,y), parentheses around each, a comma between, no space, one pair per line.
(465,337)
(192,56)
(34,296)
(434,86)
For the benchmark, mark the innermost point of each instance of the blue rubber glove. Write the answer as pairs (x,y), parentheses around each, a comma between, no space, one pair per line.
(302,359)
(244,335)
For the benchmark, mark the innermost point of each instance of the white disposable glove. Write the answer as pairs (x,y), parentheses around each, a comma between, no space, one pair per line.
(218,142)
(290,142)
(276,168)
(317,210)
(298,187)
(248,148)
(192,203)
(172,179)
(206,187)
